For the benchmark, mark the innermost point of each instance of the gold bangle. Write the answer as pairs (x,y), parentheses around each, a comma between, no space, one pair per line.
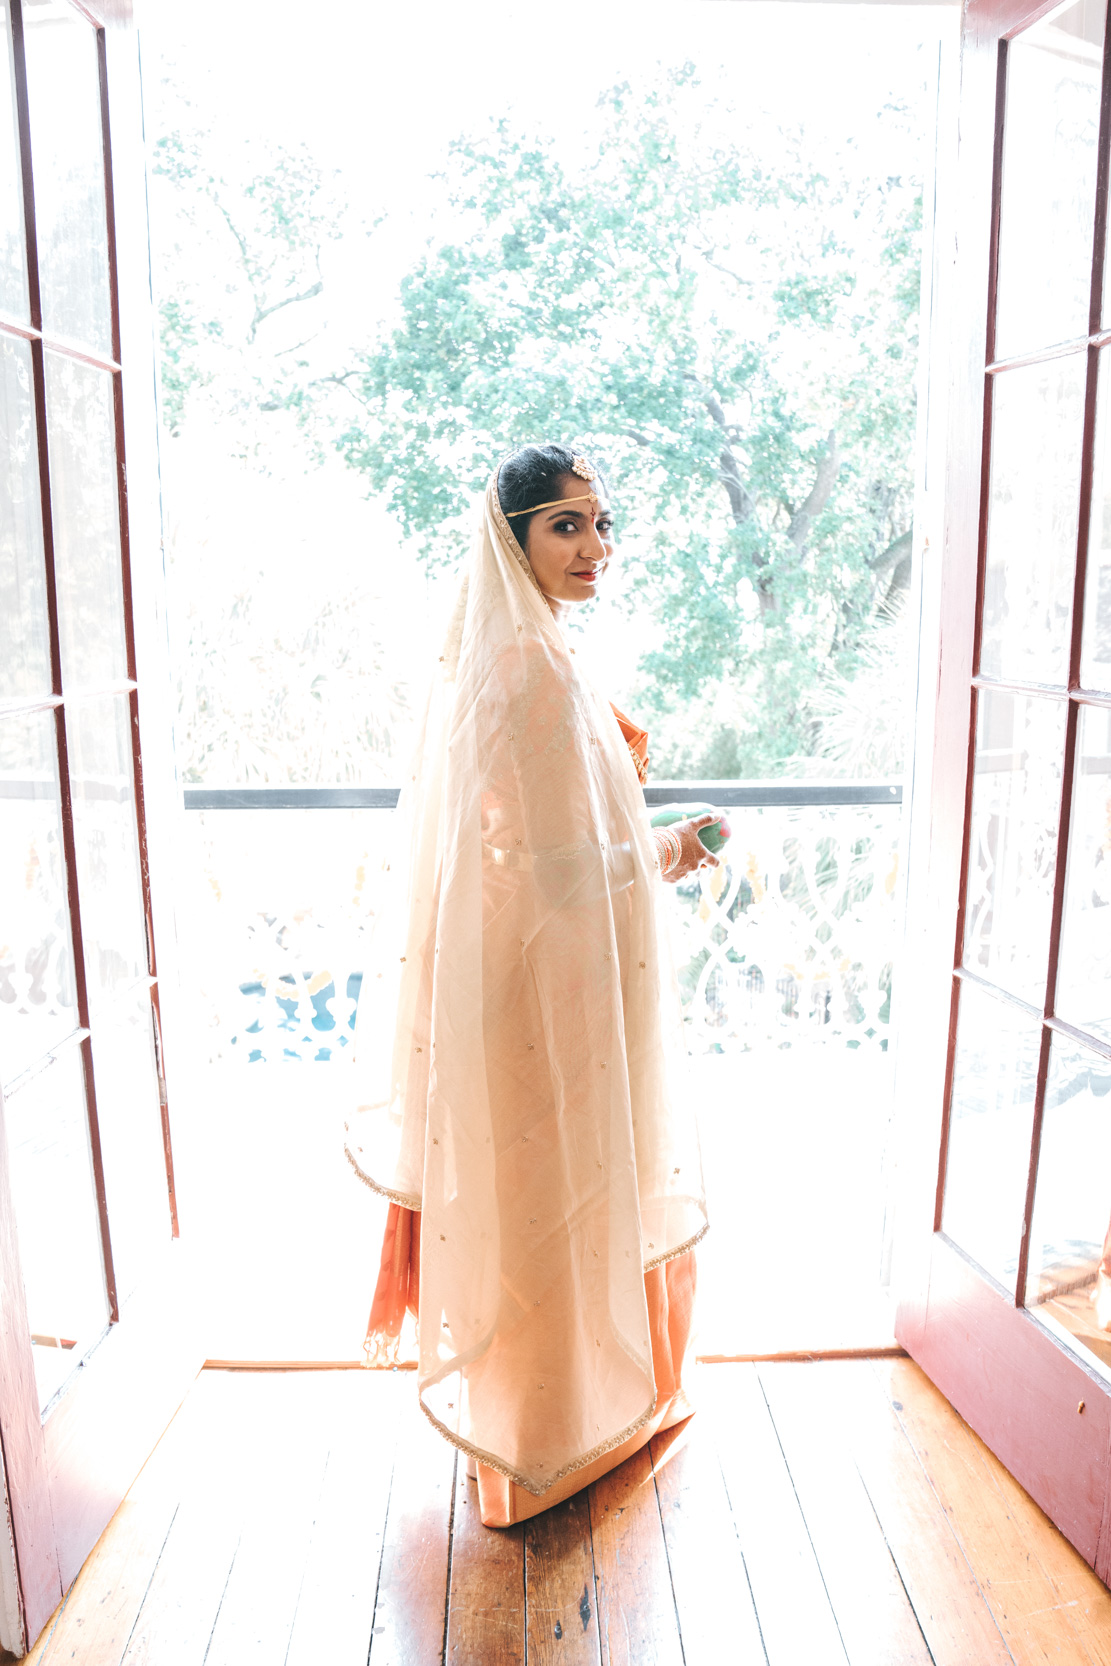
(673,846)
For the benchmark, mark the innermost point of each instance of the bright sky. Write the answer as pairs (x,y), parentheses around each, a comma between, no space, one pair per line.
(384,86)
(379,91)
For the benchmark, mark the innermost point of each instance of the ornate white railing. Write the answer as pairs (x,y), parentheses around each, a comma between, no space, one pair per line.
(791,941)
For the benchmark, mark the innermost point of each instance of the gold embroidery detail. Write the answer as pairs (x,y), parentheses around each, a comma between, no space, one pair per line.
(515,1475)
(404,1198)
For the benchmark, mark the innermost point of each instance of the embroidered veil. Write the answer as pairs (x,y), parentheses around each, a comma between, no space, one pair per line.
(520,1052)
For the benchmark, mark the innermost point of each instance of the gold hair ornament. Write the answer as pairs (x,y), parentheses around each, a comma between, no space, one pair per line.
(511,515)
(585,471)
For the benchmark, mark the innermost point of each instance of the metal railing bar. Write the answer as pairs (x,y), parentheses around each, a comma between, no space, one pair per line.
(773,794)
(722,794)
(291,798)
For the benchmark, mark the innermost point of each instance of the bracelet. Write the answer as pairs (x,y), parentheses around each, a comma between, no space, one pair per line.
(670,846)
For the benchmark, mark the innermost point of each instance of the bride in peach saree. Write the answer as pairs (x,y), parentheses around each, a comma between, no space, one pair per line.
(520,1055)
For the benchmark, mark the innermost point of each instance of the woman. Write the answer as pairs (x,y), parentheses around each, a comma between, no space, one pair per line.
(520,1046)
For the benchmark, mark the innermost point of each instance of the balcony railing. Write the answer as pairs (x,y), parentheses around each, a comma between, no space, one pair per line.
(790,942)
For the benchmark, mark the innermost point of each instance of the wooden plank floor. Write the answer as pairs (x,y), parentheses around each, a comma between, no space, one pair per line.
(810,1515)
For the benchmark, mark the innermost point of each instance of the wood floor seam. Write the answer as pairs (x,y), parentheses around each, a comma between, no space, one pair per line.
(150,1581)
(381,1559)
(667,1557)
(947,1519)
(594,1583)
(898,1570)
(220,1604)
(450,1556)
(305,1566)
(524,1597)
(802,1514)
(744,1562)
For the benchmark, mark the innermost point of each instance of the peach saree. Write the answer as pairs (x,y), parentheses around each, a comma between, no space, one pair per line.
(520,1062)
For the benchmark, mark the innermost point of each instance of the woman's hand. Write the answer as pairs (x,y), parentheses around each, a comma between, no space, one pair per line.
(692,852)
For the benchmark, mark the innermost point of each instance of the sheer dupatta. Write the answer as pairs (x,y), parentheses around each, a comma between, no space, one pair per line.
(520,1051)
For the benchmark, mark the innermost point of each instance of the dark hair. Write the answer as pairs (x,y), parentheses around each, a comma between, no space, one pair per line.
(529,477)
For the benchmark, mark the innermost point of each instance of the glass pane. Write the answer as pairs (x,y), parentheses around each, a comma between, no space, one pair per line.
(1047,210)
(13,254)
(1036,429)
(990,1121)
(24,648)
(55,1213)
(1084,971)
(85,507)
(1095,656)
(67,161)
(129,1112)
(37,999)
(1016,800)
(1069,1277)
(1095,665)
(104,829)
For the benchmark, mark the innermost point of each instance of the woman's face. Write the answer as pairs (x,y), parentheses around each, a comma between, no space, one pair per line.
(569,549)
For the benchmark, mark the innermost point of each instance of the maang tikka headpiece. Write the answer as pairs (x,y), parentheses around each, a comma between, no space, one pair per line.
(585,471)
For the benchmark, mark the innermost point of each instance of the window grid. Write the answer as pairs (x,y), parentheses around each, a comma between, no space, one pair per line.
(56,701)
(1073,694)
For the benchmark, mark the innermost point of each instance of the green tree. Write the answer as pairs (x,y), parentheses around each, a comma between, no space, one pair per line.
(732,328)
(728,323)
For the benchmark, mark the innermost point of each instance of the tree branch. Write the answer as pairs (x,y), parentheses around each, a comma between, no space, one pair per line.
(340,380)
(297,346)
(729,469)
(261,313)
(893,554)
(289,301)
(742,283)
(818,496)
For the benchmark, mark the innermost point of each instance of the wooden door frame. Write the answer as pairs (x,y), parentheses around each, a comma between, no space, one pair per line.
(1042,1410)
(64,1476)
